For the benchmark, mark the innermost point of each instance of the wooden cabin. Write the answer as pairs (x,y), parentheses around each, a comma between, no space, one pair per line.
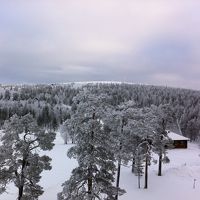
(180,142)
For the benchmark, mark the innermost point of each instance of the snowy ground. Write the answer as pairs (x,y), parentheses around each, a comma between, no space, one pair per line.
(176,182)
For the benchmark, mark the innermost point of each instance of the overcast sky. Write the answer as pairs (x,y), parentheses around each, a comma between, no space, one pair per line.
(141,41)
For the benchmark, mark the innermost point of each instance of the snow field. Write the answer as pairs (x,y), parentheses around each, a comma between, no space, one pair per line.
(176,183)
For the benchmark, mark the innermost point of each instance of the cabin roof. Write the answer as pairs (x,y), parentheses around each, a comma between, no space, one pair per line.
(175,136)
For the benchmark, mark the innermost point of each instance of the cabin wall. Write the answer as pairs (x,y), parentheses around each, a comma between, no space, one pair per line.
(180,144)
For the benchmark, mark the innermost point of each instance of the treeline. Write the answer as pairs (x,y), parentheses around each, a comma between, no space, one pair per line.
(184,103)
(50,104)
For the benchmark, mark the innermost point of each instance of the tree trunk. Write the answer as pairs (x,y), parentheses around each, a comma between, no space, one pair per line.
(118,178)
(90,184)
(139,181)
(146,173)
(20,192)
(22,179)
(133,165)
(160,165)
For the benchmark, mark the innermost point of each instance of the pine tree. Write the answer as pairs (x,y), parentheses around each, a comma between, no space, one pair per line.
(139,165)
(67,130)
(164,116)
(20,162)
(117,121)
(123,136)
(93,177)
(147,156)
(142,126)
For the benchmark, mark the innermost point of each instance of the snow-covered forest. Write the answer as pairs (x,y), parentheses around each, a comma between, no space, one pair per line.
(51,104)
(109,126)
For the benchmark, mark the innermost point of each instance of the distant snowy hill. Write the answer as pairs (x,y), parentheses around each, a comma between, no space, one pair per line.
(82,83)
(177,181)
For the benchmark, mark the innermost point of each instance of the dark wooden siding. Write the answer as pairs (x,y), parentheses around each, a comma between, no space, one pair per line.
(181,144)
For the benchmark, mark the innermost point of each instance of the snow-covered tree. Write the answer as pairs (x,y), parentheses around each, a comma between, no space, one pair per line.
(142,126)
(5,175)
(19,159)
(64,132)
(67,130)
(164,116)
(147,159)
(138,164)
(160,144)
(117,121)
(93,177)
(132,128)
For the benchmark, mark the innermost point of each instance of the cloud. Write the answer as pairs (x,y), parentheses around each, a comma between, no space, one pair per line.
(129,40)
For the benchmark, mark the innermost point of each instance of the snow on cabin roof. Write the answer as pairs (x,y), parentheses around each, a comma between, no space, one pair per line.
(175,136)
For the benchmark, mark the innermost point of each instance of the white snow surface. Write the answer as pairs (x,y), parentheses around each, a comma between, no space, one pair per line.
(175,183)
(175,136)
